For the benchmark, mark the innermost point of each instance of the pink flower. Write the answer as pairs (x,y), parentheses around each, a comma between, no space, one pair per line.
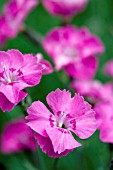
(104,116)
(47,67)
(14,13)
(17,71)
(54,130)
(16,137)
(108,69)
(94,90)
(74,50)
(64,8)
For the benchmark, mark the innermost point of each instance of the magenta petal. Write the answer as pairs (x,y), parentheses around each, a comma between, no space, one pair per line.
(47,147)
(59,100)
(93,89)
(104,112)
(32,79)
(10,96)
(108,68)
(61,139)
(16,58)
(14,14)
(106,133)
(32,71)
(85,126)
(21,96)
(92,46)
(78,106)
(17,136)
(83,70)
(12,93)
(104,117)
(64,8)
(47,68)
(5,104)
(38,117)
(4,60)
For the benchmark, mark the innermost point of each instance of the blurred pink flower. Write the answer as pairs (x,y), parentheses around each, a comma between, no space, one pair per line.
(17,71)
(14,13)
(94,90)
(108,68)
(104,117)
(17,136)
(54,130)
(64,8)
(47,67)
(74,50)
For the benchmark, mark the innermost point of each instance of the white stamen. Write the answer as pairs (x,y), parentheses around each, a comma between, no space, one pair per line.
(3,66)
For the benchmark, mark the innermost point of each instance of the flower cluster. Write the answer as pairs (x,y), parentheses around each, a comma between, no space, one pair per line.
(75,51)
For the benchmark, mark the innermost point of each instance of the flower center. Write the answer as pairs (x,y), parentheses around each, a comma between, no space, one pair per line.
(61,119)
(70,52)
(9,75)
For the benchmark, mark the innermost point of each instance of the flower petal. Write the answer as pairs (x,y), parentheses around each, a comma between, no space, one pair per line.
(84,69)
(16,59)
(59,100)
(4,60)
(17,136)
(32,71)
(5,104)
(78,106)
(61,139)
(39,117)
(85,125)
(47,147)
(92,46)
(11,96)
(12,93)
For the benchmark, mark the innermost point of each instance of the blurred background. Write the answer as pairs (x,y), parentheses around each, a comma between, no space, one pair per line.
(93,155)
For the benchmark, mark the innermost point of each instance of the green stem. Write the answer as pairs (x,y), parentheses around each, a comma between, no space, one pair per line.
(65,21)
(111,158)
(32,35)
(55,166)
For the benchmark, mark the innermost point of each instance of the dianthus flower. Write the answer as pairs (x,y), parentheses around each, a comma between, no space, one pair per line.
(47,67)
(54,130)
(14,13)
(94,90)
(104,117)
(64,8)
(17,136)
(17,71)
(74,50)
(108,68)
